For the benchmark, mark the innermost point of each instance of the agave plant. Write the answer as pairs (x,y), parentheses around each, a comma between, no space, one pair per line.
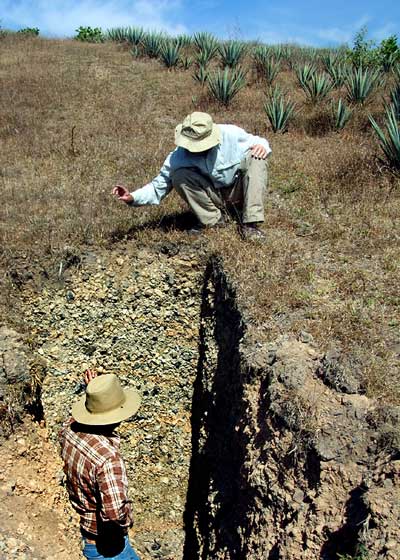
(287,53)
(317,87)
(304,73)
(201,75)
(341,115)
(135,51)
(131,35)
(186,62)
(277,51)
(270,70)
(205,40)
(231,52)
(360,83)
(278,110)
(224,85)
(183,40)
(396,72)
(203,57)
(389,144)
(134,35)
(330,61)
(390,61)
(337,74)
(260,55)
(170,54)
(206,45)
(116,34)
(152,43)
(395,100)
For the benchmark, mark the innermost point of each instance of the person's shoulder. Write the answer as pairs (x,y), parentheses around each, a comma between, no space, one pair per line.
(177,156)
(231,130)
(97,447)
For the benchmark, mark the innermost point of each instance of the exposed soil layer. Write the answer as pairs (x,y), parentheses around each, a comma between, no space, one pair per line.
(241,450)
(283,466)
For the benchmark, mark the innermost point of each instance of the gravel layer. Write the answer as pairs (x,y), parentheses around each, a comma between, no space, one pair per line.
(135,313)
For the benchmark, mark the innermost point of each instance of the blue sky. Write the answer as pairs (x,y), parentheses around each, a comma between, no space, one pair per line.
(311,22)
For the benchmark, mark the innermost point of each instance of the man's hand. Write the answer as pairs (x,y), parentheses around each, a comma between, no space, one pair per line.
(89,375)
(258,151)
(122,193)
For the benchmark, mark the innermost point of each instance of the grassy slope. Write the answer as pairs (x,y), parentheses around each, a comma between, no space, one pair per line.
(77,118)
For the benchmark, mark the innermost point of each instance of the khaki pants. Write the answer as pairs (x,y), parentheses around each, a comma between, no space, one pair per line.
(246,192)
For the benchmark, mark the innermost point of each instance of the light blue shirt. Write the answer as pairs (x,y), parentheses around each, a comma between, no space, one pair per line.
(219,164)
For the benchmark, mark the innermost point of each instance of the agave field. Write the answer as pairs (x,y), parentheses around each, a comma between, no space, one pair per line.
(343,81)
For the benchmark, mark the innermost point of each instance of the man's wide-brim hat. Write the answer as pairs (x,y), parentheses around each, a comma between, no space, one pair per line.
(197,133)
(105,402)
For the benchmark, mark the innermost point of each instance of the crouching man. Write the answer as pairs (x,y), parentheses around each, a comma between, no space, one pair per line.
(213,166)
(96,476)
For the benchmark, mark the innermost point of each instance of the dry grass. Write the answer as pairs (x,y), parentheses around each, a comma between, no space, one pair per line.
(77,118)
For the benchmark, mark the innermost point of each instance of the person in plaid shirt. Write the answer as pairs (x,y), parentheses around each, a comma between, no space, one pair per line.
(96,476)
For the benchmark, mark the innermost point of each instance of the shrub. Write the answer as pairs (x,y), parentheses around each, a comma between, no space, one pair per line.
(389,53)
(224,86)
(89,34)
(389,144)
(33,31)
(360,83)
(363,53)
(278,110)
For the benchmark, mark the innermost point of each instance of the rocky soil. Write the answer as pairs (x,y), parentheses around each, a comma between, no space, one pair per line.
(134,312)
(283,465)
(241,450)
(35,517)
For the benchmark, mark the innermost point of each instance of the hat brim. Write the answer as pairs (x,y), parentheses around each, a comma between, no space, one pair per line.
(131,405)
(195,146)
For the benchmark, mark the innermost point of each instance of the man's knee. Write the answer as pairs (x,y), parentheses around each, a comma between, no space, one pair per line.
(256,169)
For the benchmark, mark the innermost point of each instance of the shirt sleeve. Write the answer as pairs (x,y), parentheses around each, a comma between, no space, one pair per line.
(113,487)
(248,140)
(157,189)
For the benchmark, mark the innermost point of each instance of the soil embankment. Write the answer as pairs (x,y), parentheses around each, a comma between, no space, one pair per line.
(241,450)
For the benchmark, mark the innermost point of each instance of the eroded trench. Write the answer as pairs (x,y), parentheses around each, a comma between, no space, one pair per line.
(240,449)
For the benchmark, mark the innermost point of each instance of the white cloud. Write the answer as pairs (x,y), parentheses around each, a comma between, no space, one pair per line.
(63,17)
(384,32)
(344,34)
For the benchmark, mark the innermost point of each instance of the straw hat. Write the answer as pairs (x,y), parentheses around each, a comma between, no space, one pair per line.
(105,402)
(197,133)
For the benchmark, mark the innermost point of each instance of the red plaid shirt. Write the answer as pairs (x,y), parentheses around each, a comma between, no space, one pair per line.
(96,478)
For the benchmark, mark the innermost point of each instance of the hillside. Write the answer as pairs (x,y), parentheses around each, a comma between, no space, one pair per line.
(320,297)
